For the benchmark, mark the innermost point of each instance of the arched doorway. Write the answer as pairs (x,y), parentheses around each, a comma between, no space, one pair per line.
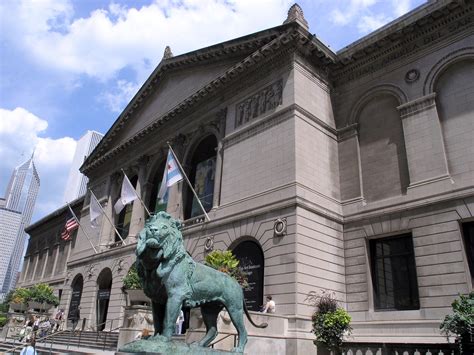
(104,285)
(76,293)
(250,255)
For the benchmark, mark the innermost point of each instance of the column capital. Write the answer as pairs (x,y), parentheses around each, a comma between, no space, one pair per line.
(416,106)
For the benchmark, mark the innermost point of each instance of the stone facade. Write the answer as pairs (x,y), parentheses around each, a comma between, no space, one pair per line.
(354,150)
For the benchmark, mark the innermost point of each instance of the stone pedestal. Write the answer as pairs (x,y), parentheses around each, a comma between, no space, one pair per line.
(284,334)
(136,318)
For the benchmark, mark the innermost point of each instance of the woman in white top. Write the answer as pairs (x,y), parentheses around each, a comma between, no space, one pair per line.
(269,306)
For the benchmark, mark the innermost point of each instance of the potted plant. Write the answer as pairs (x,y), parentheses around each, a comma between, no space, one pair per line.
(133,288)
(19,299)
(226,262)
(460,323)
(42,297)
(331,323)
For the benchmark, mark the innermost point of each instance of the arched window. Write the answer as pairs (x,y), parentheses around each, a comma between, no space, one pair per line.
(125,216)
(156,205)
(382,149)
(76,293)
(201,175)
(251,260)
(455,103)
(104,285)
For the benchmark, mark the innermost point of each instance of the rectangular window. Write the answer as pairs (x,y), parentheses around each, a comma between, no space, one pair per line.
(394,273)
(468,233)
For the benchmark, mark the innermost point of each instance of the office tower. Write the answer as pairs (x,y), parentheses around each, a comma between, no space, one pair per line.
(16,211)
(77,183)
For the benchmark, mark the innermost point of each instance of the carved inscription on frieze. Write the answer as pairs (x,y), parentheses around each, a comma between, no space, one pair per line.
(259,103)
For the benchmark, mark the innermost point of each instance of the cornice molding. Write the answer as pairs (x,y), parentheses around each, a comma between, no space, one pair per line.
(443,23)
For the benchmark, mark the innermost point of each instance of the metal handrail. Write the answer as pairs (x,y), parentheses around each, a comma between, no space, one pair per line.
(39,340)
(52,335)
(223,338)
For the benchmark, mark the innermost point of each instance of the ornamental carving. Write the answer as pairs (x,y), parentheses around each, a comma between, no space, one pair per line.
(263,101)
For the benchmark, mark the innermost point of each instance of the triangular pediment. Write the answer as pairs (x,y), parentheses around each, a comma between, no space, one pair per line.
(179,83)
(172,88)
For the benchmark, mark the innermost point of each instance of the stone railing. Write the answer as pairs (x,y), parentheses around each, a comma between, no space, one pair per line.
(399,349)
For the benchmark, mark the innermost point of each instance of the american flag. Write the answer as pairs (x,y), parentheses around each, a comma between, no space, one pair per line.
(71,225)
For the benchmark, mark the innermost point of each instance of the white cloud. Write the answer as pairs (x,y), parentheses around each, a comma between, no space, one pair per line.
(401,7)
(21,132)
(113,38)
(117,98)
(370,23)
(364,14)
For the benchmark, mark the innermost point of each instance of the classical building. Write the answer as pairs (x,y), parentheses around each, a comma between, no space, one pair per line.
(76,185)
(20,197)
(351,172)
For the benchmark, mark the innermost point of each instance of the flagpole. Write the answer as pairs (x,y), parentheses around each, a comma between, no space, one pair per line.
(80,226)
(146,209)
(189,183)
(108,219)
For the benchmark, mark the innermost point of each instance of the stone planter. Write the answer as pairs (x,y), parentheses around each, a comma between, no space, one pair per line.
(137,297)
(38,305)
(18,307)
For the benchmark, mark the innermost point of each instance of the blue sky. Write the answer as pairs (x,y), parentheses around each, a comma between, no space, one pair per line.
(71,66)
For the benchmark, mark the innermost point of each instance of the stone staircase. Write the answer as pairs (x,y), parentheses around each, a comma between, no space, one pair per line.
(84,342)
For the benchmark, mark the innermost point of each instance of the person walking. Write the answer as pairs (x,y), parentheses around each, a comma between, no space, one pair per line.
(29,349)
(179,323)
(75,316)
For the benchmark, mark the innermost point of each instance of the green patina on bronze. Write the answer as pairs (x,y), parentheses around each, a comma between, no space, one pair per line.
(172,279)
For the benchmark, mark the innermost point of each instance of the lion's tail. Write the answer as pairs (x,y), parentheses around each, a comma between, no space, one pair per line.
(263,325)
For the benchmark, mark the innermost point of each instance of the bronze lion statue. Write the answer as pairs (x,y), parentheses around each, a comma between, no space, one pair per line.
(172,279)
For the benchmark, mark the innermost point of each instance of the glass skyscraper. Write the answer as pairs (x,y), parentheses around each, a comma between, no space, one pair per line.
(20,198)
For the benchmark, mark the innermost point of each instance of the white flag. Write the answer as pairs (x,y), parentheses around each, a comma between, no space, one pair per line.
(95,211)
(128,195)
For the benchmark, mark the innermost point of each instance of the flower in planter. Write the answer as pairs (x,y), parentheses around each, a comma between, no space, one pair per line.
(43,293)
(226,262)
(331,323)
(21,296)
(131,281)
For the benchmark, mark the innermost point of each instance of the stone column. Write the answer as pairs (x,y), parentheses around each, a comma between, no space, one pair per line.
(56,252)
(137,220)
(25,269)
(36,256)
(426,155)
(45,262)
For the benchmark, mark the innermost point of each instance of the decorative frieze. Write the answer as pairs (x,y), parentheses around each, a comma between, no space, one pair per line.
(257,104)
(413,107)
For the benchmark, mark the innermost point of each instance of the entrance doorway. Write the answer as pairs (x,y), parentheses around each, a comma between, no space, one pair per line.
(104,285)
(76,294)
(250,256)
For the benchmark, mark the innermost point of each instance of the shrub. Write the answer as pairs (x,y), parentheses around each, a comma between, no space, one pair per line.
(131,281)
(461,322)
(226,262)
(43,293)
(21,295)
(3,320)
(330,322)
